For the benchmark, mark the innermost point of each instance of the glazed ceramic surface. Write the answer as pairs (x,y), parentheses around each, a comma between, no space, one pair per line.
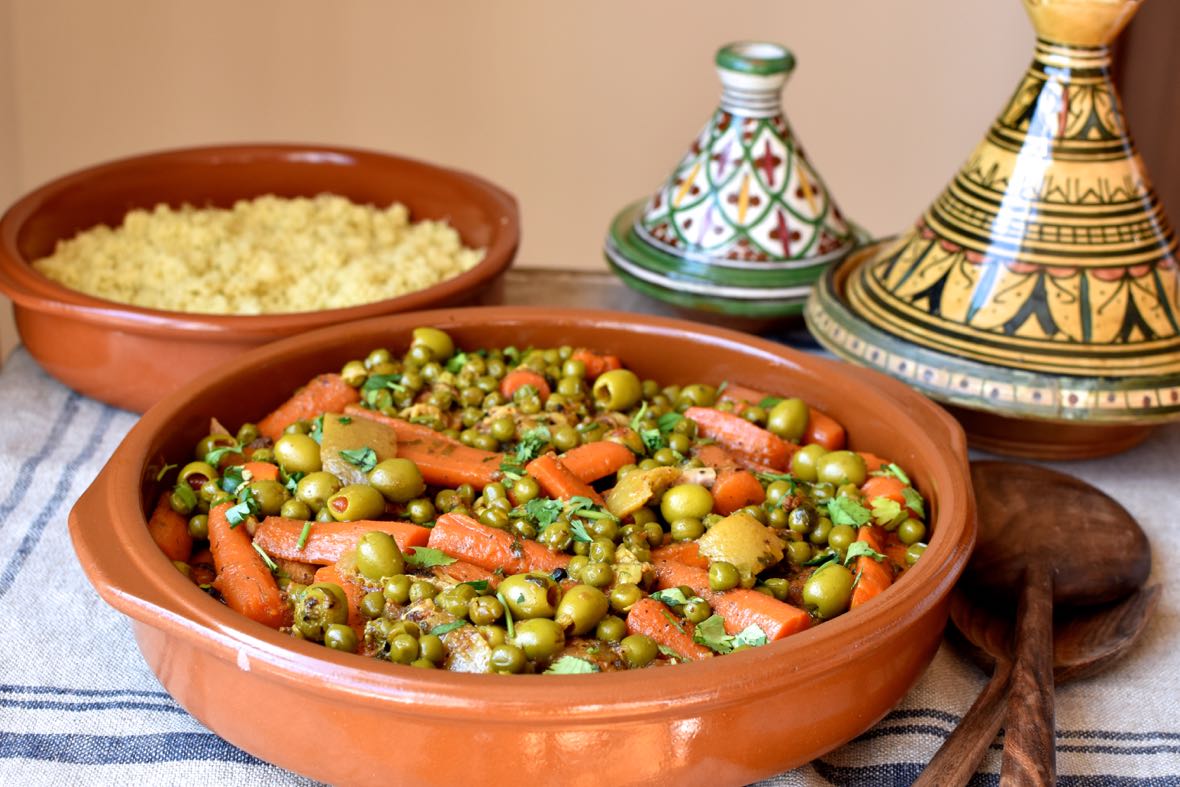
(131,356)
(744,224)
(1043,282)
(345,719)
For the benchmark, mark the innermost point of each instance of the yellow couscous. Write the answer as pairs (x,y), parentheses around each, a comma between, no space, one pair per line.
(263,256)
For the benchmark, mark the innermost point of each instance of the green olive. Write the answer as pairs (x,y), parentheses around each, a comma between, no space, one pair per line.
(696,395)
(196,474)
(788,419)
(439,344)
(210,442)
(456,600)
(539,638)
(638,650)
(913,552)
(686,529)
(294,508)
(198,526)
(484,610)
(581,608)
(611,629)
(798,552)
(696,610)
(378,556)
(617,389)
(828,591)
(507,659)
(723,576)
(804,460)
(841,467)
(399,480)
(356,501)
(298,453)
(532,595)
(372,604)
(685,501)
(911,531)
(339,636)
(354,373)
(315,489)
(270,496)
(840,537)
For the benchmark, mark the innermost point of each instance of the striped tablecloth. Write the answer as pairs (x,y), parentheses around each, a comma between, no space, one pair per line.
(78,705)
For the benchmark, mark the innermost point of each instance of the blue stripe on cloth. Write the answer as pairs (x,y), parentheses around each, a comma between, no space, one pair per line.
(919,713)
(6,702)
(123,750)
(53,502)
(24,476)
(14,688)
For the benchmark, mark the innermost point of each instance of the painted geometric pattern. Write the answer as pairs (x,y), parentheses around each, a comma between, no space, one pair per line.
(745,192)
(1049,250)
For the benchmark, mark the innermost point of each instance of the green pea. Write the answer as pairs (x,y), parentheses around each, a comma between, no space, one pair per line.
(599,575)
(798,552)
(617,389)
(373,604)
(356,501)
(841,467)
(456,600)
(803,462)
(270,496)
(686,501)
(298,453)
(911,531)
(696,610)
(802,519)
(397,589)
(339,636)
(788,419)
(776,491)
(624,596)
(686,529)
(495,635)
(421,589)
(198,526)
(420,510)
(611,629)
(539,638)
(403,649)
(602,550)
(696,395)
(723,576)
(319,606)
(377,355)
(531,595)
(638,650)
(841,537)
(524,490)
(581,608)
(315,489)
(431,648)
(507,659)
(378,556)
(484,610)
(821,531)
(913,552)
(779,586)
(503,429)
(828,591)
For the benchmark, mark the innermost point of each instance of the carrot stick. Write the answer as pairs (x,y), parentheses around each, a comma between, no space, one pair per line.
(327,393)
(883,486)
(557,481)
(739,607)
(243,579)
(462,537)
(462,571)
(596,363)
(746,441)
(354,592)
(743,396)
(170,530)
(441,460)
(327,542)
(873,463)
(518,378)
(592,461)
(823,429)
(262,471)
(654,619)
(871,577)
(734,487)
(685,552)
(895,550)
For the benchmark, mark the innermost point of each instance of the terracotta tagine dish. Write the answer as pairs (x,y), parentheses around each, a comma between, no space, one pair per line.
(1039,294)
(744,225)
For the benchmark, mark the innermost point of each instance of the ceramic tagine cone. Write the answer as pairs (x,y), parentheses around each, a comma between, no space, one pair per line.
(1039,293)
(744,225)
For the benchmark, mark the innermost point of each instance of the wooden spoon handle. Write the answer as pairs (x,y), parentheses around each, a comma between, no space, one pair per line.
(1030,754)
(957,760)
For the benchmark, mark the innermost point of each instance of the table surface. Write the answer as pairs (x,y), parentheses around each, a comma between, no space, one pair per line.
(77,703)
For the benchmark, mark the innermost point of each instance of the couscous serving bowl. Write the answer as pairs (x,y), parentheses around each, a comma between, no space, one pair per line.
(345,719)
(130,356)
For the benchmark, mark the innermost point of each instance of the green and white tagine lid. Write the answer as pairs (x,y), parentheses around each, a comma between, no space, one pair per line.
(744,225)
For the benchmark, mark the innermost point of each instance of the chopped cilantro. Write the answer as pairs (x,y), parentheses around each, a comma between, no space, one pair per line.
(637,419)
(380,382)
(673,597)
(893,470)
(508,624)
(675,623)
(317,429)
(303,535)
(214,457)
(344,420)
(479,585)
(914,501)
(667,422)
(531,444)
(186,495)
(861,549)
(752,636)
(293,480)
(443,628)
(425,557)
(768,402)
(652,439)
(231,479)
(578,530)
(512,469)
(457,362)
(364,458)
(543,511)
(886,510)
(164,471)
(770,478)
(571,665)
(710,632)
(846,511)
(265,558)
(667,651)
(821,559)
(246,507)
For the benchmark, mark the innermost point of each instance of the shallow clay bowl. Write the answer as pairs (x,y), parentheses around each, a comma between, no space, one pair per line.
(131,356)
(345,719)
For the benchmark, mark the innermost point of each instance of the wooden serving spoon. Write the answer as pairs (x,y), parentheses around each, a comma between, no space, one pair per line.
(1045,539)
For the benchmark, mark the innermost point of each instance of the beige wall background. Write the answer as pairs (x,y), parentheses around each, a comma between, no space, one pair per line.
(577,108)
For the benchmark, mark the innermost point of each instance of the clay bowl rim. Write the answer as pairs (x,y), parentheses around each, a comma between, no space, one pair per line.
(32,290)
(132,575)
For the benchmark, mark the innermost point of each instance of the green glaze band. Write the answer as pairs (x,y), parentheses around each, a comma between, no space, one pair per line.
(756,57)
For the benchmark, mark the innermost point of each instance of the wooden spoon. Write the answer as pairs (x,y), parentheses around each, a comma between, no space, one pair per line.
(1045,539)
